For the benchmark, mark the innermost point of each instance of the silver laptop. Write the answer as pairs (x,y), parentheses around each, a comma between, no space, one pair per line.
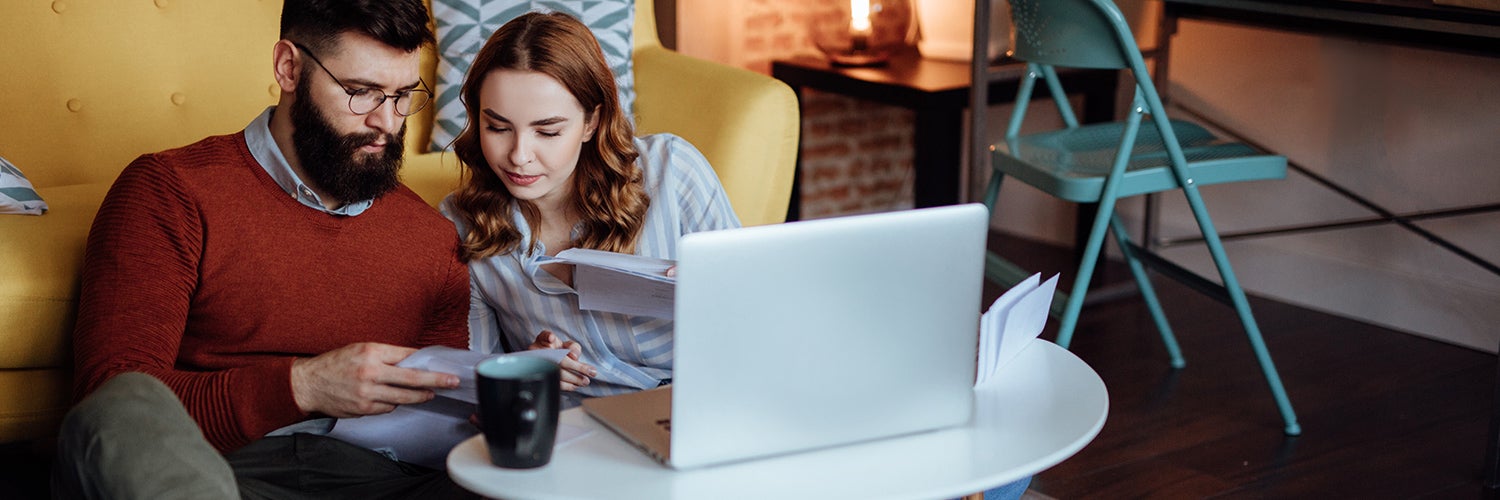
(811,334)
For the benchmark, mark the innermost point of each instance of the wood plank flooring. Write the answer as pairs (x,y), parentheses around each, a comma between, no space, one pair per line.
(1384,414)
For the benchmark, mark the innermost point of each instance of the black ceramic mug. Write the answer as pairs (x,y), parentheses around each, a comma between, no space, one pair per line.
(519,397)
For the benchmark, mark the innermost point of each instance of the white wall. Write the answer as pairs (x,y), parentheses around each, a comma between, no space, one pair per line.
(1410,129)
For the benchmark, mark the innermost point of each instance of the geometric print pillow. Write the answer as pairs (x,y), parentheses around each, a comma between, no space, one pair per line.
(16,194)
(464,25)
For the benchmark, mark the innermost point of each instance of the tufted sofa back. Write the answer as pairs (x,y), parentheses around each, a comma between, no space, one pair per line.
(91,84)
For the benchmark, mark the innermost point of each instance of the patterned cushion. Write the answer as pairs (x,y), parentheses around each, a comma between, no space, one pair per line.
(16,194)
(464,25)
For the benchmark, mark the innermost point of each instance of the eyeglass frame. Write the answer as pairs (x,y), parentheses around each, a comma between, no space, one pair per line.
(358,91)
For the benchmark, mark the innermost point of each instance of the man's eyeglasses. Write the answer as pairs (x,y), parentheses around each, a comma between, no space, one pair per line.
(363,100)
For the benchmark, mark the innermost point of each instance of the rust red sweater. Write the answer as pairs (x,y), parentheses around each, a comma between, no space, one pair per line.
(204,273)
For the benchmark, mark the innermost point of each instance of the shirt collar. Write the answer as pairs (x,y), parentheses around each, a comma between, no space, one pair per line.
(263,147)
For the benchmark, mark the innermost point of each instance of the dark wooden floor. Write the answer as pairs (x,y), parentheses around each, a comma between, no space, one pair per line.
(1384,414)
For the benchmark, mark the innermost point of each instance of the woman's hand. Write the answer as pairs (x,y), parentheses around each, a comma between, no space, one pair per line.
(575,373)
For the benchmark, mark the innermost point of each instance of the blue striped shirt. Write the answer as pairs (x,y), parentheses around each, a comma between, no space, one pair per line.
(511,295)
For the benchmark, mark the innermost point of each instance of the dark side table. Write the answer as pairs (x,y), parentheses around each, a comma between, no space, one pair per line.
(938,91)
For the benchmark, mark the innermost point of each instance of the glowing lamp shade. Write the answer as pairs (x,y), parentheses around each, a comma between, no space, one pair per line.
(862,32)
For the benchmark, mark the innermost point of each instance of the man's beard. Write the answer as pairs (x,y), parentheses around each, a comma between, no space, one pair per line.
(333,161)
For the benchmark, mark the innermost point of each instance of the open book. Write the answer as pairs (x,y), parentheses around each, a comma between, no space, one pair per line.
(423,434)
(1010,324)
(620,283)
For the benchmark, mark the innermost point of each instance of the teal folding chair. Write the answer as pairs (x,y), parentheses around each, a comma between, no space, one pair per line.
(1101,163)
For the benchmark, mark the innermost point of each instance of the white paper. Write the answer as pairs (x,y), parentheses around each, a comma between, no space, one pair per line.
(646,267)
(1011,323)
(423,434)
(992,323)
(620,283)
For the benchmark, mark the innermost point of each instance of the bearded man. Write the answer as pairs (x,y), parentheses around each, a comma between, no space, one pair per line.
(240,292)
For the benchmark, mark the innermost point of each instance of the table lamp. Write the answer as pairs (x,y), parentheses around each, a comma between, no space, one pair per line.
(862,32)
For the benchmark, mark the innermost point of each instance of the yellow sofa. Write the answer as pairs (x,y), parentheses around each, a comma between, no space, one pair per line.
(91,84)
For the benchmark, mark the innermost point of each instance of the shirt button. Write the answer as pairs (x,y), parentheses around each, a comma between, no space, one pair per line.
(305,191)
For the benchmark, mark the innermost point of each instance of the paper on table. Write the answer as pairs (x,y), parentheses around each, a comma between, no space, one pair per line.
(620,283)
(423,434)
(1011,322)
(993,321)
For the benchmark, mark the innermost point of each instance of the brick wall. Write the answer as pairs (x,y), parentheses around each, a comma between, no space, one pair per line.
(856,155)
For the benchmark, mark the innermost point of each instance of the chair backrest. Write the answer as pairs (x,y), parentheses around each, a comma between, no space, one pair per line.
(1071,33)
(1084,34)
(1079,34)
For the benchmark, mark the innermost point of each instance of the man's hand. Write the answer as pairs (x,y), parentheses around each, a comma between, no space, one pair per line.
(575,373)
(362,379)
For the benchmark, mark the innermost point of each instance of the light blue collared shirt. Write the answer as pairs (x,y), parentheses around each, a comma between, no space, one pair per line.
(511,296)
(263,147)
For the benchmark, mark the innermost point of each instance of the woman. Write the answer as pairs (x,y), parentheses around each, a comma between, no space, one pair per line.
(550,163)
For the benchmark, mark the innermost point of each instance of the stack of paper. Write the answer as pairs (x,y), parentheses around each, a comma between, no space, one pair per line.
(423,433)
(620,283)
(1011,323)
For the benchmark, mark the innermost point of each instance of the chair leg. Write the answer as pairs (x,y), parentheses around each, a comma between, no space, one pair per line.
(1004,272)
(1085,272)
(992,190)
(1107,198)
(996,268)
(1242,308)
(1148,293)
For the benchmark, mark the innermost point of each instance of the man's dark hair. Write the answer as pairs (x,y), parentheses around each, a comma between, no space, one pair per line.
(402,24)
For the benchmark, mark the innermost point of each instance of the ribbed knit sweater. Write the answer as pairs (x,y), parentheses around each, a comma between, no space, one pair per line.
(201,271)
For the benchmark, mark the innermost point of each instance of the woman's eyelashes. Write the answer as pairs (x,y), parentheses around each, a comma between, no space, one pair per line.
(499,129)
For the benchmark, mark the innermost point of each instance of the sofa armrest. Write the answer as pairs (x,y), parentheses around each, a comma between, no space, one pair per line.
(43,259)
(745,123)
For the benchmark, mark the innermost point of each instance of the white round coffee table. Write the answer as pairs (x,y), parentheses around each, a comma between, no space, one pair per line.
(1040,409)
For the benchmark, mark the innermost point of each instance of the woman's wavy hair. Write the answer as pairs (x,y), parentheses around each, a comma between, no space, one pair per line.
(609,193)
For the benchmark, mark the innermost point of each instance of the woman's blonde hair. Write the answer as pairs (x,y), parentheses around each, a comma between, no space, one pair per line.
(609,194)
